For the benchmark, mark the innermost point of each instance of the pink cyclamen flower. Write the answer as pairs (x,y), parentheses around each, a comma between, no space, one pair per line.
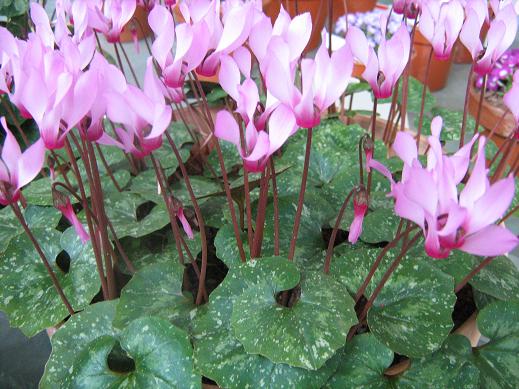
(500,36)
(409,8)
(143,113)
(382,71)
(63,204)
(110,16)
(511,98)
(440,24)
(324,79)
(259,145)
(429,197)
(360,206)
(17,169)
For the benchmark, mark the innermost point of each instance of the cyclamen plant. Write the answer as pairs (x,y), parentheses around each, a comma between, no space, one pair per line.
(267,243)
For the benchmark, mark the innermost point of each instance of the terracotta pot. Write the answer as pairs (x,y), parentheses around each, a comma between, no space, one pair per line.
(138,23)
(358,69)
(438,71)
(491,114)
(318,10)
(353,6)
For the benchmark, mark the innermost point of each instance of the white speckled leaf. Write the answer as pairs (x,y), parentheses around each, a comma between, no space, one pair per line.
(309,243)
(498,360)
(121,209)
(34,216)
(147,251)
(306,335)
(73,337)
(161,351)
(155,290)
(221,357)
(412,314)
(362,364)
(499,279)
(27,294)
(449,367)
(380,226)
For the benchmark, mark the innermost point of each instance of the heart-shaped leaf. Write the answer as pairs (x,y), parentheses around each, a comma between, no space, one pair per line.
(305,335)
(34,216)
(121,209)
(362,365)
(161,352)
(155,290)
(73,337)
(412,314)
(449,367)
(499,279)
(27,294)
(497,360)
(221,357)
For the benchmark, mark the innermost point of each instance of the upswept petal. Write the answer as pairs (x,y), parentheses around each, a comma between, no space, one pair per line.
(226,128)
(502,241)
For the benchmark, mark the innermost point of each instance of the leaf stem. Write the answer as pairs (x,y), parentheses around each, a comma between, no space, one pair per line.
(301,199)
(38,248)
(474,271)
(331,243)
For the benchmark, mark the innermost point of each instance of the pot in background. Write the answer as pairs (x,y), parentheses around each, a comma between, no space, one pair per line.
(353,6)
(139,24)
(438,71)
(318,10)
(491,114)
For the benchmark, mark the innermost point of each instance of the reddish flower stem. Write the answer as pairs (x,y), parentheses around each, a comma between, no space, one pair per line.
(379,258)
(38,248)
(424,92)
(107,168)
(199,216)
(386,276)
(246,188)
(297,219)
(276,206)
(88,215)
(480,104)
(15,121)
(260,216)
(331,243)
(471,275)
(466,107)
(373,130)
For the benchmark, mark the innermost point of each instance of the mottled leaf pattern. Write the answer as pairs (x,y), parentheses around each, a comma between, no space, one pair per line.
(155,290)
(27,294)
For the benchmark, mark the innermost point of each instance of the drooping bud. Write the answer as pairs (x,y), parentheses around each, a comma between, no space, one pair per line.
(368,146)
(360,206)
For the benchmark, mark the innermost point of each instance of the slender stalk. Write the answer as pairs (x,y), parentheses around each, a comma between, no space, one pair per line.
(297,219)
(260,216)
(96,194)
(466,107)
(376,264)
(276,206)
(200,219)
(248,208)
(386,276)
(107,168)
(405,84)
(119,61)
(161,179)
(502,164)
(424,91)
(474,271)
(132,70)
(392,110)
(38,248)
(224,176)
(480,104)
(373,127)
(88,216)
(15,121)
(361,158)
(331,243)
